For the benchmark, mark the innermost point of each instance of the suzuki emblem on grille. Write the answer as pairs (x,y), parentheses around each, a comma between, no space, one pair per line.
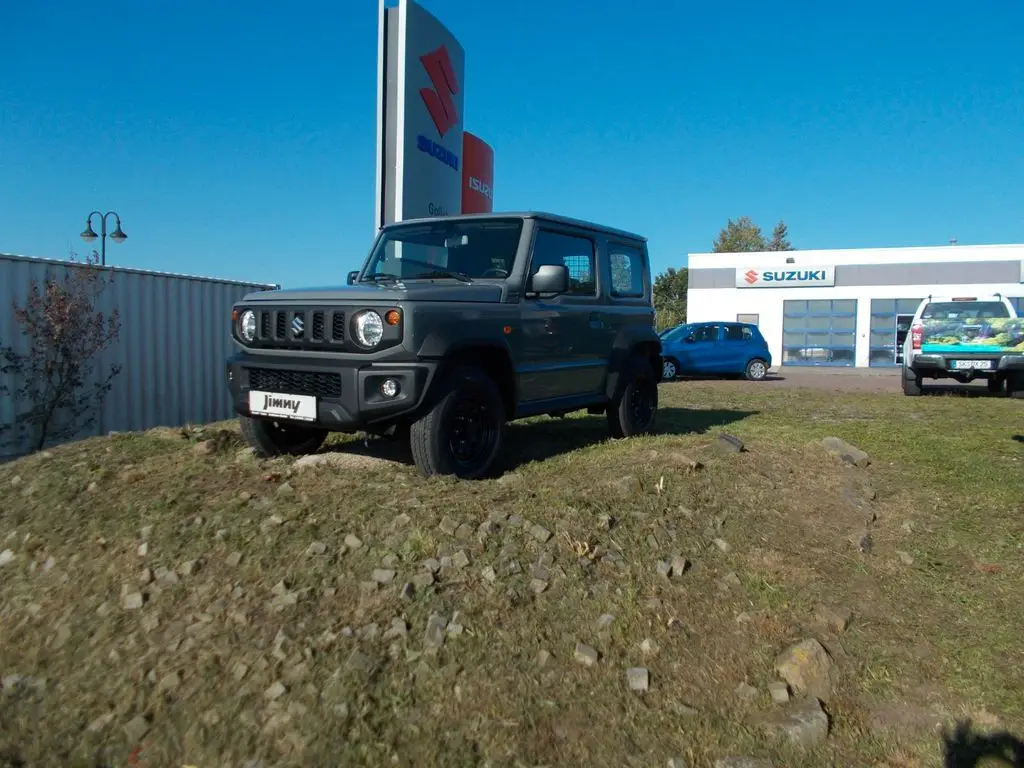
(298,326)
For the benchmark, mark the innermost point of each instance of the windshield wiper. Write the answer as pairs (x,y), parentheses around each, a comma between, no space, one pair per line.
(445,273)
(380,277)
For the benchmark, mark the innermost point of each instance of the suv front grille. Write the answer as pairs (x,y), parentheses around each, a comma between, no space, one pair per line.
(295,382)
(288,328)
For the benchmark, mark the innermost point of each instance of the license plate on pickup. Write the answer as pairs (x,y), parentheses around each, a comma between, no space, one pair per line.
(295,407)
(975,365)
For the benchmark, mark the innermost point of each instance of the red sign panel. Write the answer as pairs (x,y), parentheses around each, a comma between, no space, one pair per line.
(477,175)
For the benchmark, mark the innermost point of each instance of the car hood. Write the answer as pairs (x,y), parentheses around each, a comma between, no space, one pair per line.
(369,293)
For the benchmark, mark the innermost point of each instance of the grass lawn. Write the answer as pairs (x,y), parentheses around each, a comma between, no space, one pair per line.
(167,596)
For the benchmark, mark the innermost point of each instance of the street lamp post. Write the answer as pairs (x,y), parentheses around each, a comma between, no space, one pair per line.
(118,235)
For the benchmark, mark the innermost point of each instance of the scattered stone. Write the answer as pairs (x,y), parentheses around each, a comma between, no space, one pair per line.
(515,520)
(848,453)
(743,762)
(400,521)
(648,646)
(638,679)
(435,634)
(722,544)
(808,668)
(136,729)
(489,574)
(804,723)
(432,565)
(423,580)
(143,549)
(448,526)
(464,532)
(728,444)
(460,559)
(398,629)
(540,533)
(677,762)
(188,568)
(731,580)
(455,626)
(664,569)
(679,565)
(605,522)
(408,591)
(543,657)
(382,576)
(907,527)
(234,559)
(836,619)
(132,601)
(904,557)
(538,586)
(358,661)
(779,691)
(604,622)
(285,490)
(49,563)
(316,548)
(6,557)
(275,691)
(145,532)
(100,722)
(485,529)
(353,542)
(746,691)
(687,463)
(168,682)
(585,655)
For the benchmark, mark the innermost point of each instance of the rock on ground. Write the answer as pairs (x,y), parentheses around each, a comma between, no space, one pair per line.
(808,668)
(585,654)
(804,723)
(743,762)
(638,678)
(848,453)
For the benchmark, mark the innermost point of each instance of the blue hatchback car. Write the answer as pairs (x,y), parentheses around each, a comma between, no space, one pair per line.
(715,349)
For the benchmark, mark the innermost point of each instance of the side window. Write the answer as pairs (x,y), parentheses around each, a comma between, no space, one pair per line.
(574,253)
(737,333)
(707,333)
(627,263)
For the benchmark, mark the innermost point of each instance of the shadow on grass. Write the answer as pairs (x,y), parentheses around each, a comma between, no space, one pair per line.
(964,748)
(549,437)
(959,390)
(1019,438)
(728,377)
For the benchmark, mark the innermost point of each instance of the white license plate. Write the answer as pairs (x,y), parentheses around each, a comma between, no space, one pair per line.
(296,407)
(977,365)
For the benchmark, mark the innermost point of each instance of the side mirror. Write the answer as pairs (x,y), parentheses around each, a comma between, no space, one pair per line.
(550,278)
(352,276)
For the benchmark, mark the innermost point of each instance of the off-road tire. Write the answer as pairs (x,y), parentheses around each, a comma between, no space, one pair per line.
(995,384)
(465,387)
(269,437)
(911,383)
(667,362)
(639,380)
(756,370)
(1015,385)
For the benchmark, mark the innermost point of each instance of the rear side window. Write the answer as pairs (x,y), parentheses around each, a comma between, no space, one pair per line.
(627,263)
(965,310)
(738,333)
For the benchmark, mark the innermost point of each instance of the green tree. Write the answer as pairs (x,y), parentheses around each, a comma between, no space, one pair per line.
(743,235)
(670,297)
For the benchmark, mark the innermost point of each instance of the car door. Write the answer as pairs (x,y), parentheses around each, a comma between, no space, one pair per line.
(556,359)
(701,352)
(735,350)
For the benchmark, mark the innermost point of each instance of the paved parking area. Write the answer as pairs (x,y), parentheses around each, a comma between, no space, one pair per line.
(846,380)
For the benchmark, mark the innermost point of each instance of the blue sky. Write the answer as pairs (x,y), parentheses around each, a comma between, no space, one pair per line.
(240,143)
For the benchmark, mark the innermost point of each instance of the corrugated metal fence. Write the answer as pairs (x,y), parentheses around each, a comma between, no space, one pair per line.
(174,339)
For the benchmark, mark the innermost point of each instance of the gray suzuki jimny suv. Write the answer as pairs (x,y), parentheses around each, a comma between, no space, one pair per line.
(454,326)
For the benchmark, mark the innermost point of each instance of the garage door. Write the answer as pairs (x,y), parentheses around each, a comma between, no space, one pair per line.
(819,332)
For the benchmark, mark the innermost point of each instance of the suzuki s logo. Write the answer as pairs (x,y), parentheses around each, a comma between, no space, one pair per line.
(750,277)
(439,101)
(298,326)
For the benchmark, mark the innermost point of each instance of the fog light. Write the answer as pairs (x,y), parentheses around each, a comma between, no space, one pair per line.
(389,388)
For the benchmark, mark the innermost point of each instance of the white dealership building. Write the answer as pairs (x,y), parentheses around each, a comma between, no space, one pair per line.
(844,307)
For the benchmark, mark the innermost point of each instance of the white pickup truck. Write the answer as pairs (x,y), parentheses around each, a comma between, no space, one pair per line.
(965,338)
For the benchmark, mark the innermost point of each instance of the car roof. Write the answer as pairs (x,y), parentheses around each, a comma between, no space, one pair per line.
(539,215)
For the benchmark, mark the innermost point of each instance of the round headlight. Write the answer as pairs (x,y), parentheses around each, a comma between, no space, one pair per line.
(369,328)
(247,326)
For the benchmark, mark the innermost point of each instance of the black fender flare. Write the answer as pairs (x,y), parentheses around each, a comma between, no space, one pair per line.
(624,351)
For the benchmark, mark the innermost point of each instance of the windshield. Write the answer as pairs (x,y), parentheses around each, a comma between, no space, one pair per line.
(675,333)
(464,250)
(965,311)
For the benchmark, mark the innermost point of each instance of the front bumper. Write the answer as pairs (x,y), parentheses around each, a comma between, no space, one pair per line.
(939,364)
(348,393)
